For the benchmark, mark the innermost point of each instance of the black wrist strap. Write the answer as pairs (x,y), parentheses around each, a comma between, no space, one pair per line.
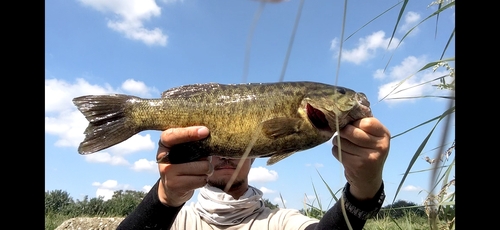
(363,209)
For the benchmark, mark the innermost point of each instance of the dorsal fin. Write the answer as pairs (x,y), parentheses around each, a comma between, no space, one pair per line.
(189,90)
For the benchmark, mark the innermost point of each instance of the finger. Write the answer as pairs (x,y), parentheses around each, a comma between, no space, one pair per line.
(359,137)
(171,137)
(187,183)
(351,134)
(359,162)
(177,190)
(210,165)
(372,126)
(346,155)
(201,167)
(162,152)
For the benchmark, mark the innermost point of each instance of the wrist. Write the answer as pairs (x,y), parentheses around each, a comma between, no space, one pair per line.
(170,200)
(162,196)
(363,209)
(365,191)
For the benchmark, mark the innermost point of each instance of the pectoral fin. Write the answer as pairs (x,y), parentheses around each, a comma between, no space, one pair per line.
(277,157)
(281,127)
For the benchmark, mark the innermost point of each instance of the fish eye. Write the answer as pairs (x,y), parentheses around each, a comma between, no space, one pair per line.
(341,90)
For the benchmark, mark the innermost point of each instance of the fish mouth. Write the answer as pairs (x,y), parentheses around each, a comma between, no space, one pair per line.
(364,106)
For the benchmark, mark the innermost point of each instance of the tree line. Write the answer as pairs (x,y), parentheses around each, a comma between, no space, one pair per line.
(123,202)
(398,209)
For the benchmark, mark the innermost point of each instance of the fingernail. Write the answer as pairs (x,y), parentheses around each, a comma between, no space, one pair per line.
(203,131)
(210,170)
(209,159)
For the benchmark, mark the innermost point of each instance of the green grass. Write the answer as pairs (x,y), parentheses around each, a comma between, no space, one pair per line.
(409,222)
(406,222)
(53,220)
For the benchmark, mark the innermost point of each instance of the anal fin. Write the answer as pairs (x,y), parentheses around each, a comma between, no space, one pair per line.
(277,157)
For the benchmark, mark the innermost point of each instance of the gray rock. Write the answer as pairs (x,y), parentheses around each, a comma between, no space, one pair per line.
(91,223)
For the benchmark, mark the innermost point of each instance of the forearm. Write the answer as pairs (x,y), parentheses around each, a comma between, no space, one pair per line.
(150,213)
(334,218)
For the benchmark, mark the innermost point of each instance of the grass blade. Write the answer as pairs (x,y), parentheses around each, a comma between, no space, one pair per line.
(409,31)
(426,66)
(448,43)
(292,38)
(390,8)
(401,11)
(328,187)
(420,148)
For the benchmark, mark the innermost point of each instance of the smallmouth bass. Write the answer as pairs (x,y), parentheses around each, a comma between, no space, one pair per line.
(278,118)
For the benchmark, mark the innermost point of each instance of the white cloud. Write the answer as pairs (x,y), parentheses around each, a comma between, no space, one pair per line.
(65,120)
(137,88)
(129,17)
(133,144)
(104,157)
(107,188)
(379,74)
(316,165)
(109,184)
(62,119)
(334,44)
(410,20)
(407,67)
(414,86)
(59,93)
(261,174)
(145,165)
(366,48)
(68,125)
(146,188)
(266,190)
(411,188)
(106,194)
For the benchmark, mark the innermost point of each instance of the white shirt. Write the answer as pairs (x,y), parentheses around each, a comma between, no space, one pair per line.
(276,219)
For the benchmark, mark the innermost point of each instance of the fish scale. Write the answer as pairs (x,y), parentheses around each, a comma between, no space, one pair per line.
(282,117)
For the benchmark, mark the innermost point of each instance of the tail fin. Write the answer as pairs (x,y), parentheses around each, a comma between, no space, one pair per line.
(107,119)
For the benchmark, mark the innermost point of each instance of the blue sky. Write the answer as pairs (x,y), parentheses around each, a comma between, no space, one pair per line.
(143,47)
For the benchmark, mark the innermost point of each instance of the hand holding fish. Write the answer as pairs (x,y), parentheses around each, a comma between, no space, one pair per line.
(365,145)
(178,181)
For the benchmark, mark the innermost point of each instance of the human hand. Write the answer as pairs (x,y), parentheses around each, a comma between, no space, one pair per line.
(178,181)
(365,145)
